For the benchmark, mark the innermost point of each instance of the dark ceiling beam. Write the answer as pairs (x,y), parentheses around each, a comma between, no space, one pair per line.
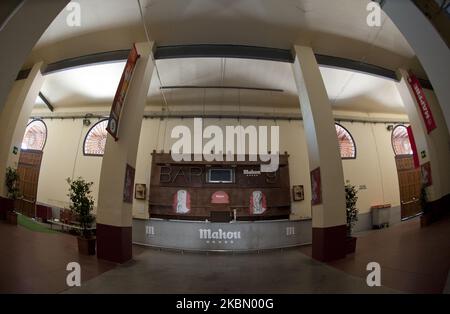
(221,87)
(45,100)
(336,62)
(342,63)
(272,54)
(23,74)
(223,51)
(96,58)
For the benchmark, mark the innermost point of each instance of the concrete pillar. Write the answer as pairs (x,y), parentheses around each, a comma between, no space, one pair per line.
(114,216)
(435,144)
(21,30)
(431,50)
(14,119)
(329,217)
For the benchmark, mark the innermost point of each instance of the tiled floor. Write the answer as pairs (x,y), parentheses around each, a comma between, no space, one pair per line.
(412,260)
(278,271)
(35,262)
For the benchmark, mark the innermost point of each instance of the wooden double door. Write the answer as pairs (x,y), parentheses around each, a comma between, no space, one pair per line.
(409,179)
(28,170)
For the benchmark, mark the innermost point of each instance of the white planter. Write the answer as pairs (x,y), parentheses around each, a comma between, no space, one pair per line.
(381,217)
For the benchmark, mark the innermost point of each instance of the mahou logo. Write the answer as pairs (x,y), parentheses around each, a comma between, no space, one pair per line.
(208,234)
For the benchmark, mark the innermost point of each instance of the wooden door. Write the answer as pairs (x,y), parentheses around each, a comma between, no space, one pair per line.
(28,169)
(409,180)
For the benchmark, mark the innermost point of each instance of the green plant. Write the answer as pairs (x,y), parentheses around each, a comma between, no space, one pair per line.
(12,182)
(82,203)
(352,212)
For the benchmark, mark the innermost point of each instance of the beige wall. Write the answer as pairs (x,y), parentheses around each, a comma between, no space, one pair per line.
(374,166)
(63,158)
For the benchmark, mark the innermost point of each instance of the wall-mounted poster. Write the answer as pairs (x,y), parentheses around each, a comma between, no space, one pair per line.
(128,184)
(119,98)
(258,204)
(140,190)
(426,174)
(298,193)
(182,202)
(316,187)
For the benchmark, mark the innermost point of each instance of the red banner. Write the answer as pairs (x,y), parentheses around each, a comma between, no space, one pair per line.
(119,98)
(128,184)
(316,187)
(422,102)
(412,141)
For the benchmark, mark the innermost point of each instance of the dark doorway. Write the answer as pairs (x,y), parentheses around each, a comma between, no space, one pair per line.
(28,169)
(409,181)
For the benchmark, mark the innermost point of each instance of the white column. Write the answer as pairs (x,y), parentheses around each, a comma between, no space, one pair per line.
(114,216)
(329,217)
(14,119)
(435,144)
(431,50)
(22,30)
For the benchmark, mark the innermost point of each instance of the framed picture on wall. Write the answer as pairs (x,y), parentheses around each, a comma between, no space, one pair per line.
(128,184)
(426,174)
(298,193)
(140,190)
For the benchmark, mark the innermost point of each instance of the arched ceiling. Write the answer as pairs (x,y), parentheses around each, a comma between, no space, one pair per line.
(92,87)
(330,27)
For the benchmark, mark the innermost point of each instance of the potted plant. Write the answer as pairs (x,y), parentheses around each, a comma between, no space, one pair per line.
(352,216)
(426,218)
(13,193)
(82,205)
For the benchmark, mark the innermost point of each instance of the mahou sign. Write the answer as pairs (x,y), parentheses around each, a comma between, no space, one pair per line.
(422,102)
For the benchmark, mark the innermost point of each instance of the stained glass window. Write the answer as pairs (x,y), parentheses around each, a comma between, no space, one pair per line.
(95,141)
(35,135)
(400,141)
(346,144)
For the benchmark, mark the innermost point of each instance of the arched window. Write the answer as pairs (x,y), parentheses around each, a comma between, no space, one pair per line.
(95,140)
(346,143)
(35,135)
(400,141)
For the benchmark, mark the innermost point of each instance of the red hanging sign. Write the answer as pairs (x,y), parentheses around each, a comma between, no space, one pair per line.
(412,142)
(422,102)
(119,98)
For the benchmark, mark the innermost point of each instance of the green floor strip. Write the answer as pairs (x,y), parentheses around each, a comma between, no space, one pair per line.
(32,225)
